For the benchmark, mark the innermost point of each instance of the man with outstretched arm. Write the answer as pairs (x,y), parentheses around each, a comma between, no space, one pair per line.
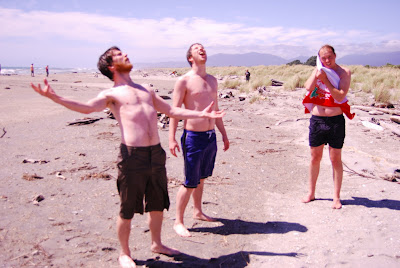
(141,162)
(194,90)
(327,88)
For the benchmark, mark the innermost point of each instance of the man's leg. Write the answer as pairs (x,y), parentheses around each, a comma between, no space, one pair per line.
(316,156)
(197,203)
(155,225)
(123,231)
(337,167)
(182,199)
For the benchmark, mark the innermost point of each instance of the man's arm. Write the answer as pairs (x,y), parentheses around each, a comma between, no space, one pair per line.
(177,100)
(220,125)
(337,93)
(94,105)
(180,113)
(311,81)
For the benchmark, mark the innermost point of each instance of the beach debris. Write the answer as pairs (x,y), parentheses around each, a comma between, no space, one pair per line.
(84,121)
(276,83)
(227,95)
(7,88)
(108,249)
(170,92)
(94,175)
(4,132)
(31,177)
(34,161)
(78,82)
(58,175)
(165,97)
(54,80)
(392,128)
(371,125)
(109,113)
(163,120)
(3,197)
(242,98)
(37,199)
(395,119)
(375,112)
(384,110)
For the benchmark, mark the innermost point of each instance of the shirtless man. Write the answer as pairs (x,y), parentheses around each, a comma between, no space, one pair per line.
(135,108)
(327,124)
(195,89)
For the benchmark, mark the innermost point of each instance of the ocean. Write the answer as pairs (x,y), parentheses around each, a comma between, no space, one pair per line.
(41,70)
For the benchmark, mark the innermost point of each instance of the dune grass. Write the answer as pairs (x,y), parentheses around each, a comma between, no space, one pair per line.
(382,82)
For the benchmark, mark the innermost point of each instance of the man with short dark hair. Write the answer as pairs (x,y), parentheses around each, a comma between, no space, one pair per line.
(141,165)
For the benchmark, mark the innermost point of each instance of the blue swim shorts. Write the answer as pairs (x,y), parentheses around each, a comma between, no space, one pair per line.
(327,130)
(199,152)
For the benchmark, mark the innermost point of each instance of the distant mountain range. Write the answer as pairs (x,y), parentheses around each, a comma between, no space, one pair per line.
(255,59)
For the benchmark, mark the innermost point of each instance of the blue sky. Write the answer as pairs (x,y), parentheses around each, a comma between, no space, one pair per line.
(73,33)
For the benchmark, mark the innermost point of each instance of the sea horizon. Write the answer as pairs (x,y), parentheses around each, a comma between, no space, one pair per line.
(16,70)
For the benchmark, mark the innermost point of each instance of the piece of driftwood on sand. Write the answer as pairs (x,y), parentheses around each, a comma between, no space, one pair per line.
(369,109)
(83,121)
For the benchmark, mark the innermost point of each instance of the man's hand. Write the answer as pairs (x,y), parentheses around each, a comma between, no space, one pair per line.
(47,91)
(172,146)
(226,143)
(208,112)
(321,75)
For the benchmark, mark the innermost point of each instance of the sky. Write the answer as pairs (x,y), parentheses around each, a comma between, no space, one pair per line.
(74,33)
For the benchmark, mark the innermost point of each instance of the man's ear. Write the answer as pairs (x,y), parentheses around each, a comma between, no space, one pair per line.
(191,59)
(111,68)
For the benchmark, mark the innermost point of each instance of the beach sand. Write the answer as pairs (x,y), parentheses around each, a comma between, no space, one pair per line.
(254,193)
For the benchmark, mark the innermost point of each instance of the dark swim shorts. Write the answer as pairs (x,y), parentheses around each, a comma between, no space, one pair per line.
(199,152)
(142,173)
(327,130)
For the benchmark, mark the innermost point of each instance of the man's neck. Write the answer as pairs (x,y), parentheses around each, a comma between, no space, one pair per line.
(122,79)
(200,70)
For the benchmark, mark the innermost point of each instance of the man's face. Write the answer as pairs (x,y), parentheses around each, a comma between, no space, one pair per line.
(327,57)
(198,54)
(121,62)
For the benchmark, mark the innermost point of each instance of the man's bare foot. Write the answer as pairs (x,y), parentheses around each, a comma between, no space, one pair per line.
(203,217)
(336,204)
(181,230)
(308,199)
(126,261)
(161,249)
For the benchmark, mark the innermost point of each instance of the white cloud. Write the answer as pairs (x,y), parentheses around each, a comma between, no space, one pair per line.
(168,38)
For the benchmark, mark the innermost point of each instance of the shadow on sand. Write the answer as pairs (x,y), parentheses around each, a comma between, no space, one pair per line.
(235,260)
(384,203)
(245,227)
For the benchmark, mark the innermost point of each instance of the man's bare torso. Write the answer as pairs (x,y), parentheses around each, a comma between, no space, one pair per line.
(132,107)
(198,95)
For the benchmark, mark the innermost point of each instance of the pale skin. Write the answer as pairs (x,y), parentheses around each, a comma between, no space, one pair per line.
(135,108)
(194,90)
(328,59)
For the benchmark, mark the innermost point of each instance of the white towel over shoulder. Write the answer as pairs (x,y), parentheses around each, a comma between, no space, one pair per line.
(332,76)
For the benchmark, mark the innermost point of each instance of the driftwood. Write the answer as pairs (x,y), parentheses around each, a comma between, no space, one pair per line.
(384,110)
(394,129)
(83,121)
(4,132)
(276,82)
(395,119)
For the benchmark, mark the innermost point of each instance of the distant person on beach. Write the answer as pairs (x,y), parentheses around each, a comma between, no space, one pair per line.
(199,145)
(0,69)
(47,70)
(326,100)
(32,70)
(141,162)
(247,75)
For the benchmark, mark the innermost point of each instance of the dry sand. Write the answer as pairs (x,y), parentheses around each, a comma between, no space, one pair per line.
(255,191)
